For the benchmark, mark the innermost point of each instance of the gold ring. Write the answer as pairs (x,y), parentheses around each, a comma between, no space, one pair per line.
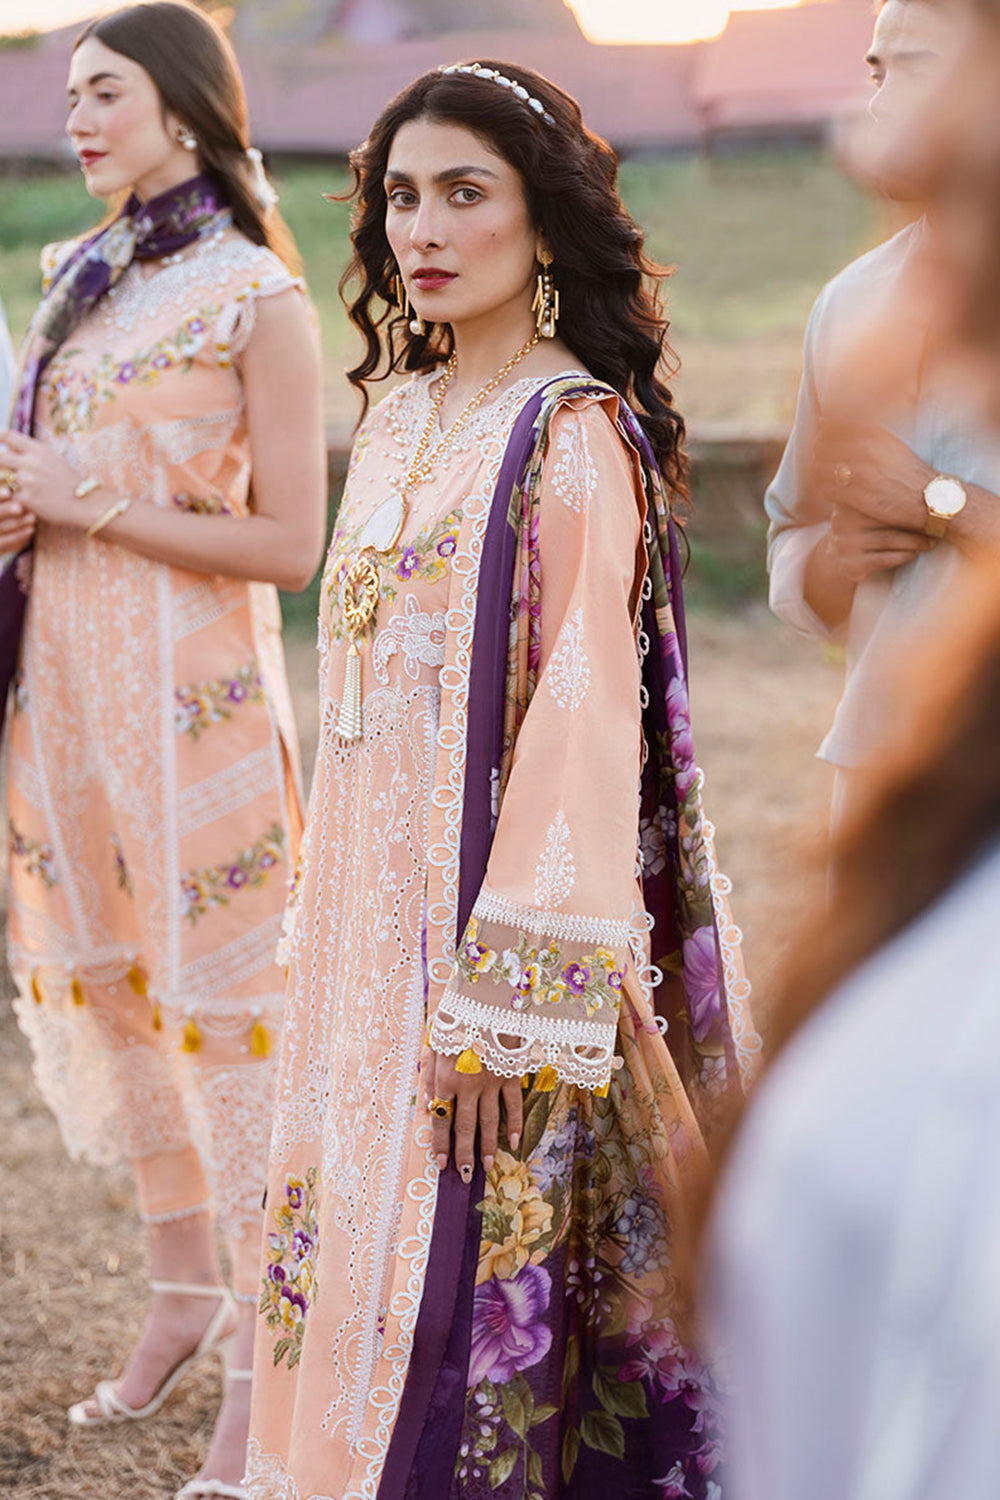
(9,480)
(443,1108)
(842,474)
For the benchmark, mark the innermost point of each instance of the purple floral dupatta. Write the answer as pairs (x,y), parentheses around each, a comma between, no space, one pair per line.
(527,1387)
(142,231)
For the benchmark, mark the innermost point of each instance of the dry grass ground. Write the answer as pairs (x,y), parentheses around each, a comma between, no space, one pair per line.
(71,1257)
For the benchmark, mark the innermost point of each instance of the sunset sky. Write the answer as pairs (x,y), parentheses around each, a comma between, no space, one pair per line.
(602,20)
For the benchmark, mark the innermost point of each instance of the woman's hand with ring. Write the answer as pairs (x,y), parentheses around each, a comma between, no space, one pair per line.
(17,525)
(44,484)
(475,1104)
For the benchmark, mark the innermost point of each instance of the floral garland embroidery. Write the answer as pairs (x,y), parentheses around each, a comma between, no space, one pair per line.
(426,557)
(538,976)
(203,703)
(289,1285)
(40,859)
(202,890)
(75,398)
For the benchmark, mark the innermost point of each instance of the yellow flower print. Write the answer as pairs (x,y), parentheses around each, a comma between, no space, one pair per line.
(515,1217)
(283,1217)
(605,957)
(436,568)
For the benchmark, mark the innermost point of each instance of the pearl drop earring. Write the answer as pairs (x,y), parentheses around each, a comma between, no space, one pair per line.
(186,139)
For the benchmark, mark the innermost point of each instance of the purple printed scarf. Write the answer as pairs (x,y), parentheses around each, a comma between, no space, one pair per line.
(142,231)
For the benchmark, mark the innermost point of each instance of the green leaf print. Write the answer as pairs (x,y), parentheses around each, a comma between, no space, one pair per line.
(542,1414)
(604,1433)
(516,1408)
(621,1398)
(571,1367)
(570,1453)
(502,1467)
(535,1472)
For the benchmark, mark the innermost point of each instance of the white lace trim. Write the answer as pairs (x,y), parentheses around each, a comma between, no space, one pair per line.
(175,1215)
(746,1038)
(581,1051)
(491,907)
(267,1478)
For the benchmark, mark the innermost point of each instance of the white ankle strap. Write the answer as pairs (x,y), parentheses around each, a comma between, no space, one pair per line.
(238,1374)
(190,1289)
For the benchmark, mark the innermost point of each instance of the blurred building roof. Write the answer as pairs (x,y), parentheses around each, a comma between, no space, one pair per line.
(788,71)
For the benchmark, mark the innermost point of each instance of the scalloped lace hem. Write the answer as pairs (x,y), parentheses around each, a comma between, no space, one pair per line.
(581,1052)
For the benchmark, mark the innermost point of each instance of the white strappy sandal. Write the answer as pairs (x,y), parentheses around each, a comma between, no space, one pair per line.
(207,1489)
(216,1338)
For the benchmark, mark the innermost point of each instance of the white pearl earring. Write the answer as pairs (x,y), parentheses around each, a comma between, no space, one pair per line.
(186,139)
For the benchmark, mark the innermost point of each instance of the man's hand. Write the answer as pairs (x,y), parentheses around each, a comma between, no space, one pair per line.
(857,546)
(860,465)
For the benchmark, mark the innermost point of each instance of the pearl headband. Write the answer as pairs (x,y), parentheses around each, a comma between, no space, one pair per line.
(476,70)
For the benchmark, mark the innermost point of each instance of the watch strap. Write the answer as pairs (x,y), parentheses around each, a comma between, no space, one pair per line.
(936,526)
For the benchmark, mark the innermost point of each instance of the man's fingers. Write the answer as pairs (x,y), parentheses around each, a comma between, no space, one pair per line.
(513,1103)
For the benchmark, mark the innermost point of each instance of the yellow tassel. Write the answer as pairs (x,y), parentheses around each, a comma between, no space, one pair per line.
(546,1080)
(36,989)
(349,718)
(602,1092)
(468,1062)
(526,1081)
(76,990)
(157,1017)
(260,1042)
(191,1041)
(137,980)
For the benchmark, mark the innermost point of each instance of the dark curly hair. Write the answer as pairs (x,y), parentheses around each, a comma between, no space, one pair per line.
(611,312)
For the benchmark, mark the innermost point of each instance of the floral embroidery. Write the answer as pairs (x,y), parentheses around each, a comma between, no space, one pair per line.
(568,671)
(420,636)
(574,474)
(426,557)
(555,874)
(203,703)
(539,976)
(202,890)
(75,398)
(40,858)
(289,1285)
(212,504)
(122,875)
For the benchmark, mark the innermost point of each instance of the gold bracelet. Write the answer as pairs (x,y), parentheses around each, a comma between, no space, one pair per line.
(118,509)
(87,487)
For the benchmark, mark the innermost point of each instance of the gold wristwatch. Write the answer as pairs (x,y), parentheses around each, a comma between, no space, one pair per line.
(944,497)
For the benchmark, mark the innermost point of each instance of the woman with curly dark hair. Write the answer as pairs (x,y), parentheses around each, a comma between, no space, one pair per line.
(484,1128)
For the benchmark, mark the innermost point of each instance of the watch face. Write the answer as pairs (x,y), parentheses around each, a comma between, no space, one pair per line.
(944,496)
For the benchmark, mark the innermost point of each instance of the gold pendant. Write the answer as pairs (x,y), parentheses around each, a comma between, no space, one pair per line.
(360,599)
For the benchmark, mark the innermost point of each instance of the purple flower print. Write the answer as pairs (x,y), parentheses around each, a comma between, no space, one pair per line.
(294,1299)
(295,1192)
(641,1226)
(446,546)
(702,980)
(237,877)
(195,325)
(277,1274)
(673,1486)
(507,1329)
(615,979)
(237,692)
(161,361)
(126,373)
(301,1244)
(577,976)
(408,563)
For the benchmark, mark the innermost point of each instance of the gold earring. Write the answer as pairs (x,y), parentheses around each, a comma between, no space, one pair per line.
(417,325)
(546,303)
(186,139)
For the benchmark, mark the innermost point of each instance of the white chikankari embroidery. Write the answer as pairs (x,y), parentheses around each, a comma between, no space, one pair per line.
(574,474)
(555,873)
(418,635)
(568,671)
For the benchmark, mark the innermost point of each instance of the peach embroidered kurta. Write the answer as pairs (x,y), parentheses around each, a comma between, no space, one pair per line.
(152,795)
(352,1188)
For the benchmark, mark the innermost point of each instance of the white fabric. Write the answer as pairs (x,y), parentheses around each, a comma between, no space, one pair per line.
(886,606)
(855,1267)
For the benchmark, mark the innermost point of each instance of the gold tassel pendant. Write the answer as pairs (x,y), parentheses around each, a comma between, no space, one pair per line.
(76,990)
(546,1079)
(137,980)
(36,988)
(468,1061)
(260,1041)
(349,719)
(191,1040)
(157,1016)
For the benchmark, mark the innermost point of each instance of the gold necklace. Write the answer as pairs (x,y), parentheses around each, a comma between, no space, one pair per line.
(362,585)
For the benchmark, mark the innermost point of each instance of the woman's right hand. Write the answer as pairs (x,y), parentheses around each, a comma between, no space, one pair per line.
(17,525)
